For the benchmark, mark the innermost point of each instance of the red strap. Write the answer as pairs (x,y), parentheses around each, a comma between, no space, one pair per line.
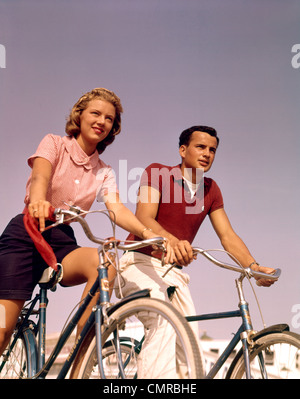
(45,250)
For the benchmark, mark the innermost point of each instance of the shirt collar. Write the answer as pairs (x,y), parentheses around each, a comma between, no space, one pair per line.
(77,154)
(176,173)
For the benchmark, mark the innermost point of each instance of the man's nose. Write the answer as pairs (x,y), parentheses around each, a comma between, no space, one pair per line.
(206,152)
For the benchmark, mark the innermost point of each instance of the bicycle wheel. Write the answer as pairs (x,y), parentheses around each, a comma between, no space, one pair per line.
(140,320)
(276,355)
(110,361)
(14,361)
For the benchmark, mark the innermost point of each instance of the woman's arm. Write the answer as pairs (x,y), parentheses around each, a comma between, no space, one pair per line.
(126,219)
(38,205)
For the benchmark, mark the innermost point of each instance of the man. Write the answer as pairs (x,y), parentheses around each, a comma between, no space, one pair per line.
(173,202)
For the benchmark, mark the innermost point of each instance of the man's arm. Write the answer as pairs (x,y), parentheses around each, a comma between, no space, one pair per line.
(146,211)
(232,243)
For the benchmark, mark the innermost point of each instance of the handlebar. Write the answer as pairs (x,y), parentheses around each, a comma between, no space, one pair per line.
(247,271)
(75,213)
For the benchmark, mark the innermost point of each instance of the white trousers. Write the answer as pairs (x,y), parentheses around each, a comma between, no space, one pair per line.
(160,356)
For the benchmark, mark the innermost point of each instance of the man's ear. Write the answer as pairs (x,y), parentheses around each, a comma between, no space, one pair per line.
(182,150)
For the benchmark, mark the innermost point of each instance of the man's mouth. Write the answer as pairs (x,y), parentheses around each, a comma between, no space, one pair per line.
(203,163)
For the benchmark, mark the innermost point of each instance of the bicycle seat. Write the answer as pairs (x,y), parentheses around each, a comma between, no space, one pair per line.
(51,277)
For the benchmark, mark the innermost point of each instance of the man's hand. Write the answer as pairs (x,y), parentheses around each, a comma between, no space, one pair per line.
(177,251)
(262,282)
(183,253)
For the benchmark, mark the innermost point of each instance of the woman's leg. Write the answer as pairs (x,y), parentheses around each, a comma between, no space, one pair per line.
(9,313)
(80,266)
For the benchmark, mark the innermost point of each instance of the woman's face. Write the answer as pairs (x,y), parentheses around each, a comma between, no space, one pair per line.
(96,122)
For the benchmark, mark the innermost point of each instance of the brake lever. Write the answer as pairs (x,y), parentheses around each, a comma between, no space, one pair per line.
(59,220)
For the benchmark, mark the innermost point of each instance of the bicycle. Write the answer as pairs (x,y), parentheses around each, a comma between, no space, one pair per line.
(105,333)
(269,353)
(273,352)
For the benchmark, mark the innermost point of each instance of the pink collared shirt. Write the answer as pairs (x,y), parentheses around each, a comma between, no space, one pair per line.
(76,177)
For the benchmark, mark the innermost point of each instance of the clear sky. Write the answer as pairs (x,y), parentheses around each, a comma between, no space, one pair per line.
(174,63)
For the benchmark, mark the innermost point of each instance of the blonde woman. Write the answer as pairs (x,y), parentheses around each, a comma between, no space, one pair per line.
(64,170)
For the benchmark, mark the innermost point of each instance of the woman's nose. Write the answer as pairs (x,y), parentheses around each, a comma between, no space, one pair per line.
(100,120)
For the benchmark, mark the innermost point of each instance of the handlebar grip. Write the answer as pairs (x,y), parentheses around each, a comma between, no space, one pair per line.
(273,276)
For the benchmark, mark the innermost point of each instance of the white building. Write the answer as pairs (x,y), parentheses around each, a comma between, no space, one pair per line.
(288,364)
(282,362)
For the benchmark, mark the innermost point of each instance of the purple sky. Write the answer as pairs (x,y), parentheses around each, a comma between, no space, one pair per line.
(174,63)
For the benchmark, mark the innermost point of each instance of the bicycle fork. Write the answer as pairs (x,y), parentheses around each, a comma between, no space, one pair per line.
(246,335)
(101,318)
(100,309)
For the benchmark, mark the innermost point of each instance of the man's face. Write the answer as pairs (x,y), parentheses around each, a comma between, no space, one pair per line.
(200,153)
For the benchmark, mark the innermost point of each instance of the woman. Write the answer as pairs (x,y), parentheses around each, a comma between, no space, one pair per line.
(65,170)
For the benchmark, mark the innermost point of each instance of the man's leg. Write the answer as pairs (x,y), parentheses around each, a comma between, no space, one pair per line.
(140,272)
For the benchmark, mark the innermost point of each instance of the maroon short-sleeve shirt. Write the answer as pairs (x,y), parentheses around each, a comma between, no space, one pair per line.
(180,213)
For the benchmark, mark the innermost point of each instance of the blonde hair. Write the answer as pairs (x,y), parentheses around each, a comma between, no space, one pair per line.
(73,121)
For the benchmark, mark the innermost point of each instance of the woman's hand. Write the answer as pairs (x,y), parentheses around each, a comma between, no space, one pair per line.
(40,210)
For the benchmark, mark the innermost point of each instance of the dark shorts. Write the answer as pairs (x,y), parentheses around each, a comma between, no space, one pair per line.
(21,265)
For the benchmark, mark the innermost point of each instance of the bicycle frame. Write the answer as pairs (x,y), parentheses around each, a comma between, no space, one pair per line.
(37,367)
(242,333)
(232,344)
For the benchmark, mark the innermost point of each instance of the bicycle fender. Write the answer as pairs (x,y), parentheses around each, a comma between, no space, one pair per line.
(31,351)
(269,330)
(266,331)
(139,294)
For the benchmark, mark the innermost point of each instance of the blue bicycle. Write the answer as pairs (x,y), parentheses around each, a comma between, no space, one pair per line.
(273,352)
(103,348)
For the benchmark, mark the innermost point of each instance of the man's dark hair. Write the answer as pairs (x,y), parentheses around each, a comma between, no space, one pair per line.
(185,136)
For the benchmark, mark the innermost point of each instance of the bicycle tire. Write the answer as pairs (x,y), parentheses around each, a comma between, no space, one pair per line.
(281,354)
(121,321)
(129,357)
(19,362)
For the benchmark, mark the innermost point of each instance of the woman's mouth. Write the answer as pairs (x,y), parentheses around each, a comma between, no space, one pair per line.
(98,130)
